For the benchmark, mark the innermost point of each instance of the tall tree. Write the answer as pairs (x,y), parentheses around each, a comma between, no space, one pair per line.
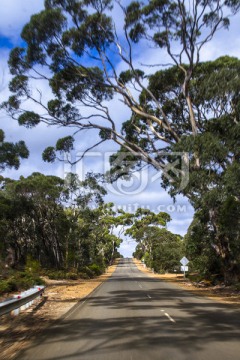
(73,46)
(142,221)
(160,248)
(35,222)
(36,219)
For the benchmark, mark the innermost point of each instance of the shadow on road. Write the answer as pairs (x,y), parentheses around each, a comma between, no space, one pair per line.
(133,321)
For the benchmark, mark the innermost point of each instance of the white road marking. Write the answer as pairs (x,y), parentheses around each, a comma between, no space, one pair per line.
(169,317)
(162,310)
(140,286)
(149,296)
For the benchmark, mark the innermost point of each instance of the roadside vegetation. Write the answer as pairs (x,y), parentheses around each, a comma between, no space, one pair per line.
(179,105)
(48,228)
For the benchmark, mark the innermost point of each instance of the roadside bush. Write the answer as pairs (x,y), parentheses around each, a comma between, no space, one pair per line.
(72,276)
(12,285)
(32,266)
(56,275)
(4,286)
(83,276)
(18,282)
(90,273)
(195,277)
(97,270)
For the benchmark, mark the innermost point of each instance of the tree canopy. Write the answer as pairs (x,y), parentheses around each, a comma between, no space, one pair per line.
(10,153)
(38,219)
(74,47)
(160,249)
(186,107)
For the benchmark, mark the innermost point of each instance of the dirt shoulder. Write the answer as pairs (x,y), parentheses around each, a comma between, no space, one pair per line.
(59,297)
(223,294)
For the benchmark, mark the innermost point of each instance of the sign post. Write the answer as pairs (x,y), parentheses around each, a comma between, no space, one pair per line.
(184,261)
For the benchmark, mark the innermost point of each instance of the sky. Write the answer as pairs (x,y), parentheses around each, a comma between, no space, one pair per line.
(144,190)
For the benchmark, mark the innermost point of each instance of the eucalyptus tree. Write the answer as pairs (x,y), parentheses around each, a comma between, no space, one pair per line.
(165,252)
(212,183)
(107,240)
(143,220)
(212,187)
(84,198)
(10,153)
(198,247)
(92,222)
(75,48)
(35,222)
(160,249)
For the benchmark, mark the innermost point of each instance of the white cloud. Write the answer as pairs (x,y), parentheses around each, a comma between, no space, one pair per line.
(15,14)
(127,247)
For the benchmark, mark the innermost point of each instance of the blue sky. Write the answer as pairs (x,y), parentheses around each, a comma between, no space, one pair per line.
(13,16)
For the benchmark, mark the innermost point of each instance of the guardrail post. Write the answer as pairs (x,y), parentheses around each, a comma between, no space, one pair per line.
(16,311)
(21,301)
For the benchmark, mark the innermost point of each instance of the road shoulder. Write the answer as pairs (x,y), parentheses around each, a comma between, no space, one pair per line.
(223,294)
(59,298)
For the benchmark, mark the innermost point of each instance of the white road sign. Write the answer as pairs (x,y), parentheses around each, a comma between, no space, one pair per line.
(184,268)
(184,261)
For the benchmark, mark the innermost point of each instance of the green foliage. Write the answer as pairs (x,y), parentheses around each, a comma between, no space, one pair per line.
(29,119)
(56,275)
(49,154)
(142,220)
(65,144)
(97,269)
(84,276)
(165,250)
(5,287)
(10,153)
(130,75)
(190,107)
(19,281)
(72,276)
(46,224)
(159,248)
(62,146)
(86,273)
(32,266)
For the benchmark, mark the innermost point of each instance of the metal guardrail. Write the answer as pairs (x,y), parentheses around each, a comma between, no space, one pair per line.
(21,301)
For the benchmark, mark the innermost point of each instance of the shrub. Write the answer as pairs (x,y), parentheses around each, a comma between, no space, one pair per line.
(83,275)
(56,275)
(97,270)
(4,287)
(90,273)
(32,266)
(72,276)
(18,282)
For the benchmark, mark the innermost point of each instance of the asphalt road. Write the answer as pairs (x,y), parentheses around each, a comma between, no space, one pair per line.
(137,317)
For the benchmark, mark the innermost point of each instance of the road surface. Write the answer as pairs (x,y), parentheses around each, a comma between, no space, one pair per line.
(134,316)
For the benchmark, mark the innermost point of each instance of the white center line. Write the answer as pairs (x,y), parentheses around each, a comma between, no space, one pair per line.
(170,318)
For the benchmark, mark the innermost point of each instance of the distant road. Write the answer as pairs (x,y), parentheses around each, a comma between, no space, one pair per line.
(136,317)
